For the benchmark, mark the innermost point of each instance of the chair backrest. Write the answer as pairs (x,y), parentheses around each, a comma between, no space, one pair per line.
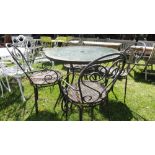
(30,43)
(104,70)
(19,59)
(137,50)
(151,58)
(26,42)
(19,40)
(134,54)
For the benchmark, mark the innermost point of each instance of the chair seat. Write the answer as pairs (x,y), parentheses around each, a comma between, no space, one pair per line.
(45,77)
(92,95)
(13,71)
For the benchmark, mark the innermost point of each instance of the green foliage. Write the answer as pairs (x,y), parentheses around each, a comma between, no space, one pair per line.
(45,39)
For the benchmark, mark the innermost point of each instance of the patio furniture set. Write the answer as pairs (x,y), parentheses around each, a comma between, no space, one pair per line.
(92,69)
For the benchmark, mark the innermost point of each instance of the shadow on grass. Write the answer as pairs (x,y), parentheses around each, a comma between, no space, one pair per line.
(140,77)
(118,111)
(11,105)
(43,116)
(10,98)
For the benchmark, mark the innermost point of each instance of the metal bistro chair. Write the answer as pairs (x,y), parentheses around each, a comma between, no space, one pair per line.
(38,79)
(149,62)
(93,90)
(4,82)
(10,71)
(133,58)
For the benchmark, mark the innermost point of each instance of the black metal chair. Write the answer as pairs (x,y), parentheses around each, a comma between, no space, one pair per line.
(134,56)
(38,79)
(93,90)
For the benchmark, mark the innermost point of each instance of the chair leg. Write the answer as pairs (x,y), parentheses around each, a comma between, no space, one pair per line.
(1,90)
(112,89)
(109,114)
(58,100)
(107,106)
(146,74)
(64,107)
(21,90)
(92,113)
(36,98)
(125,89)
(80,113)
(66,104)
(8,85)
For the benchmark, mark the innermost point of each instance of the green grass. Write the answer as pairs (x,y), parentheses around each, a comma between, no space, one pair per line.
(139,106)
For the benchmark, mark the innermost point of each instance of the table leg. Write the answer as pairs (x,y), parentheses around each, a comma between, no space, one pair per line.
(73,73)
(70,69)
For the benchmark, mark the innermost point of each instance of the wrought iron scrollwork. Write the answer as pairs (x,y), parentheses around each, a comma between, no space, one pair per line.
(101,76)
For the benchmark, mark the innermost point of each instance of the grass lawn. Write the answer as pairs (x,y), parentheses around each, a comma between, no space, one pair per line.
(139,106)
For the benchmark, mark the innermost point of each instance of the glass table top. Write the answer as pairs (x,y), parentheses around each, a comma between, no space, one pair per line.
(77,54)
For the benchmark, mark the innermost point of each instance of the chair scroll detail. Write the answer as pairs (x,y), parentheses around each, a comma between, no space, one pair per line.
(94,83)
(134,56)
(39,78)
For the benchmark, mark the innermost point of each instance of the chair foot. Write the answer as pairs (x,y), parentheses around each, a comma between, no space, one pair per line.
(36,99)
(66,105)
(21,90)
(60,97)
(125,90)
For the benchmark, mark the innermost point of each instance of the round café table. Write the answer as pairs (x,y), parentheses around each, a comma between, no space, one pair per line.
(77,54)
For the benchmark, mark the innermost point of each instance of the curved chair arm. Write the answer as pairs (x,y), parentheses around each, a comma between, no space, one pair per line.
(69,85)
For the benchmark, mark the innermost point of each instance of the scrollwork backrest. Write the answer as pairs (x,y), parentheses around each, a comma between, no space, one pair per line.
(19,59)
(134,54)
(19,41)
(103,71)
(136,51)
(28,44)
